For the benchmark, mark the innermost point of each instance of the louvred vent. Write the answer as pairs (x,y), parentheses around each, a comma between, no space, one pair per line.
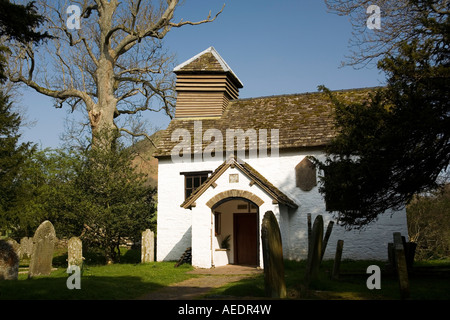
(205,86)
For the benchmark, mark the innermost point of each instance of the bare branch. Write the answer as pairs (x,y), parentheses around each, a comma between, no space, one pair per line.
(138,70)
(86,13)
(126,95)
(161,93)
(114,65)
(439,10)
(159,29)
(30,54)
(81,39)
(141,134)
(58,94)
(366,45)
(208,19)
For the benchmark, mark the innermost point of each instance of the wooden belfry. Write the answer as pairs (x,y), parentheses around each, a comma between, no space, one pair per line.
(205,85)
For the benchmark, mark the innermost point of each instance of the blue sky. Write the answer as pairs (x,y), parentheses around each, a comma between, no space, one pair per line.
(274,46)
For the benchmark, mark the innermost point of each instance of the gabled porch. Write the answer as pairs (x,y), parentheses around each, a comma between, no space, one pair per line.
(228,206)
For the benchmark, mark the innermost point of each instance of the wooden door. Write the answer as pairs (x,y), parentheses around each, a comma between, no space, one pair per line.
(246,238)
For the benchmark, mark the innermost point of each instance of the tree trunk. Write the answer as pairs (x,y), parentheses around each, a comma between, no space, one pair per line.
(101,116)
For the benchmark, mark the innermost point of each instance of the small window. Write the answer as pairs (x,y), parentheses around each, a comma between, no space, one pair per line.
(217,223)
(193,180)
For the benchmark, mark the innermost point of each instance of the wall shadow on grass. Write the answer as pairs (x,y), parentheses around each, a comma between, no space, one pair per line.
(92,288)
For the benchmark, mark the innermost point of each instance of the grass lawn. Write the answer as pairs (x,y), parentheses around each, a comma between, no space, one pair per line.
(131,279)
(429,281)
(125,280)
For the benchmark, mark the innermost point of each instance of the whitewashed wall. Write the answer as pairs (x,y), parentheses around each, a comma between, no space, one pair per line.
(180,228)
(370,243)
(174,224)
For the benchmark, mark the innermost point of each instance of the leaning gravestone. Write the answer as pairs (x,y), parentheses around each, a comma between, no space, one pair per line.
(327,237)
(9,261)
(315,252)
(75,252)
(274,282)
(42,253)
(148,246)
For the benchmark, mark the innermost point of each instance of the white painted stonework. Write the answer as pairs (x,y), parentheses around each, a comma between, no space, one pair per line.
(179,228)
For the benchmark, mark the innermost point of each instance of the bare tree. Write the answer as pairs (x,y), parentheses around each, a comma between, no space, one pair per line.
(398,23)
(113,65)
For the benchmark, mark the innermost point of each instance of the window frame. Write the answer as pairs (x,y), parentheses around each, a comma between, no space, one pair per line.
(217,223)
(202,175)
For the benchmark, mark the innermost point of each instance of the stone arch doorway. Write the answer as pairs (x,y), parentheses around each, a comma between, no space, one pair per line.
(237,218)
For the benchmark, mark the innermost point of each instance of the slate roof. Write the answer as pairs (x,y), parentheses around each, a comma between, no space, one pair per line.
(303,120)
(250,172)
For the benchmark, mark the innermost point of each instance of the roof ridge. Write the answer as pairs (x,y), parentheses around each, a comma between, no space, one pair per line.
(304,93)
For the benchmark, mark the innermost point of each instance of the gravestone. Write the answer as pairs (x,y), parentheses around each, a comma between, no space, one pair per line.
(327,237)
(400,264)
(42,253)
(410,251)
(75,252)
(337,260)
(15,245)
(315,252)
(274,282)
(9,261)
(26,246)
(148,246)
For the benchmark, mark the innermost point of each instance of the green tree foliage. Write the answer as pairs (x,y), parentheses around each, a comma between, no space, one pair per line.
(12,158)
(113,199)
(44,192)
(95,194)
(18,23)
(395,144)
